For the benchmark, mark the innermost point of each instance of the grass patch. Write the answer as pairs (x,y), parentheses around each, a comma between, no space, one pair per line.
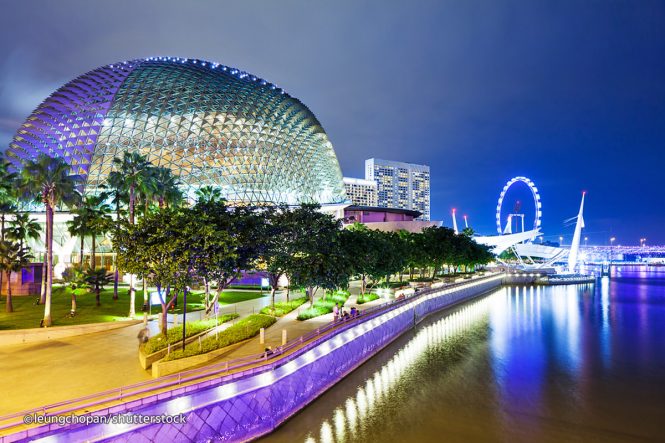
(228,297)
(28,315)
(325,305)
(244,329)
(369,296)
(282,308)
(174,335)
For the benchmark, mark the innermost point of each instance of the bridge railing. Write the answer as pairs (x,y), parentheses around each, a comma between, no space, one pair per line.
(228,370)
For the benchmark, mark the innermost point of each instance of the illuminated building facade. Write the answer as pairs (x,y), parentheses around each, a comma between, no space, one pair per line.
(360,192)
(400,185)
(209,123)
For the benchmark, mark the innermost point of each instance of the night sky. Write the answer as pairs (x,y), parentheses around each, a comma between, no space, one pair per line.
(568,93)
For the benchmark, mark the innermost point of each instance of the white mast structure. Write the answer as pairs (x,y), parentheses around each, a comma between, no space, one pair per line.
(455,221)
(575,246)
(466,223)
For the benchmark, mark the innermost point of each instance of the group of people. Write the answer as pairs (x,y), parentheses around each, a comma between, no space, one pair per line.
(341,314)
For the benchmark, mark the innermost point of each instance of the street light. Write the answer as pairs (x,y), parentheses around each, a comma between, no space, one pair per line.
(612,248)
(586,241)
(560,241)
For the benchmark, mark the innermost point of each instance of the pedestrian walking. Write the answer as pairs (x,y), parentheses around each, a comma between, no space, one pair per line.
(143,336)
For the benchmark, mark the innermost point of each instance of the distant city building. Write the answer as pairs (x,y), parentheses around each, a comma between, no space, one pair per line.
(360,192)
(400,185)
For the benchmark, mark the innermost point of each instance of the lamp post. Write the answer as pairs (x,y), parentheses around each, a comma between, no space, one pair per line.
(586,241)
(560,241)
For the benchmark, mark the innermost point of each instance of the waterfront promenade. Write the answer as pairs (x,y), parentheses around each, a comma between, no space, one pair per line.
(52,371)
(365,332)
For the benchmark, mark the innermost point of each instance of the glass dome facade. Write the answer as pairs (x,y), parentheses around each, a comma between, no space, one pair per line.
(210,124)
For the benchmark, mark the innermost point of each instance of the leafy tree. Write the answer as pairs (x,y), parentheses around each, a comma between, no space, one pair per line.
(277,252)
(242,225)
(13,258)
(171,247)
(317,259)
(49,180)
(359,245)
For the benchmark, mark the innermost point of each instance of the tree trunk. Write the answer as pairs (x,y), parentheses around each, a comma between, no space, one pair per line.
(49,260)
(272,296)
(132,291)
(9,306)
(81,257)
(165,309)
(72,311)
(42,293)
(116,273)
(116,277)
(206,285)
(93,256)
(97,291)
(363,285)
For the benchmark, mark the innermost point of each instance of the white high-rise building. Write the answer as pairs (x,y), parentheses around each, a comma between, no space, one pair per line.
(400,185)
(360,192)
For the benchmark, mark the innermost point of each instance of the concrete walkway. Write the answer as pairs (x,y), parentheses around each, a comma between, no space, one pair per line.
(44,373)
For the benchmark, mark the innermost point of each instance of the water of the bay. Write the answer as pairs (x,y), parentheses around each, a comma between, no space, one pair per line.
(553,364)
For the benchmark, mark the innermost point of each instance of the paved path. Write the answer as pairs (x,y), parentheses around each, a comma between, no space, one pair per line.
(44,373)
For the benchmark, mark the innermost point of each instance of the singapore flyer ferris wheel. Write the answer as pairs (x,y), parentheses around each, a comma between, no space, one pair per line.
(506,228)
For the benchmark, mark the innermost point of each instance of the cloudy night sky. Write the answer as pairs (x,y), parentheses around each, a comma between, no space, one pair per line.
(570,93)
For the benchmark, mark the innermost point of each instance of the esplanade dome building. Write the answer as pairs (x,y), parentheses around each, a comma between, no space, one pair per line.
(209,123)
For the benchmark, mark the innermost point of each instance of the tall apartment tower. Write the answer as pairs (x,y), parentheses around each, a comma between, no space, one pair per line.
(360,192)
(400,185)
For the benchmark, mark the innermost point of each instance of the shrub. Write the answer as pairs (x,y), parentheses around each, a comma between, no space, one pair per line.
(174,335)
(370,296)
(246,328)
(282,308)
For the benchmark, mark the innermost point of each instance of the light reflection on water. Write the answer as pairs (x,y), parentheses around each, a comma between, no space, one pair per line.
(558,363)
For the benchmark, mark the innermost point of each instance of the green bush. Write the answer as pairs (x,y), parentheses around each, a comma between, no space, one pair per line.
(324,306)
(174,334)
(370,296)
(244,329)
(282,308)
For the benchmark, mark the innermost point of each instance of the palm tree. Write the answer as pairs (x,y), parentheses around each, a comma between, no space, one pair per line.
(23,228)
(100,222)
(8,193)
(96,279)
(73,278)
(13,258)
(48,179)
(133,172)
(208,194)
(79,226)
(118,196)
(166,187)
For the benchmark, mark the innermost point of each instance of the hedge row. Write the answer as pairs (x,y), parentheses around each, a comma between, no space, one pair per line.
(174,335)
(246,328)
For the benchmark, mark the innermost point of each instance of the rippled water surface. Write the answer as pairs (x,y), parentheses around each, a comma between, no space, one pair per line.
(562,363)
